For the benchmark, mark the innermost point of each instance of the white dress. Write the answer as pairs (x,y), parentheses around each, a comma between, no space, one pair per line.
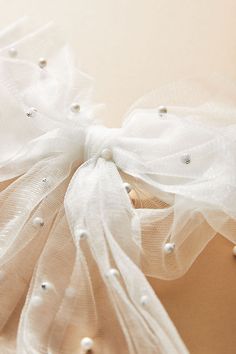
(90,211)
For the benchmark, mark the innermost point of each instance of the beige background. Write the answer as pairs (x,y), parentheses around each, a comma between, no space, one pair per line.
(131,47)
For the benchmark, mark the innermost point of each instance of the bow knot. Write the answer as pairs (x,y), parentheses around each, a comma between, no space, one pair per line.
(99,138)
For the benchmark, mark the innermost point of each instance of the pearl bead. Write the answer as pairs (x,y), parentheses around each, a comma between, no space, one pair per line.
(86,343)
(31,112)
(42,63)
(234,250)
(169,247)
(81,234)
(70,292)
(47,181)
(106,154)
(127,187)
(37,221)
(162,110)
(113,272)
(12,52)
(144,300)
(186,159)
(37,300)
(46,286)
(75,107)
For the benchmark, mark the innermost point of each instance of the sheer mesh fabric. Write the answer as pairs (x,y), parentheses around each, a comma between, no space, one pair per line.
(64,172)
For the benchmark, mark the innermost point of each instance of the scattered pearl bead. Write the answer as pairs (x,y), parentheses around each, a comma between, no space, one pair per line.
(127,187)
(70,292)
(37,221)
(47,182)
(144,300)
(31,112)
(113,272)
(81,234)
(37,300)
(46,286)
(2,275)
(169,247)
(75,107)
(162,110)
(86,343)
(42,63)
(106,154)
(186,159)
(12,52)
(234,250)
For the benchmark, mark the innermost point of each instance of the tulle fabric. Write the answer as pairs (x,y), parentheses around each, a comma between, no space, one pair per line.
(53,165)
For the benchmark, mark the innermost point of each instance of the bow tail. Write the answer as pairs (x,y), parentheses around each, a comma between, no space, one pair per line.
(98,206)
(28,208)
(53,270)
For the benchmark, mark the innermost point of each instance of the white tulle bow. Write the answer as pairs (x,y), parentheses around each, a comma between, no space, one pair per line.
(71,172)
